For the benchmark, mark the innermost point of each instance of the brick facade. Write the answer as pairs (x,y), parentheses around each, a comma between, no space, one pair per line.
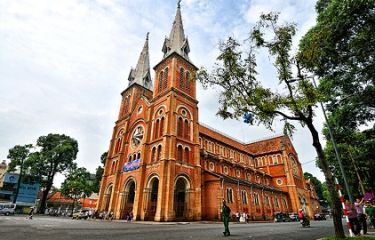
(163,165)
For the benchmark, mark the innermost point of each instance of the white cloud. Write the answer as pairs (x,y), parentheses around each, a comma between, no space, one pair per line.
(64,63)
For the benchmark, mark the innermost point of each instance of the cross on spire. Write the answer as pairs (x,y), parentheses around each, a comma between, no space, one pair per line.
(177,42)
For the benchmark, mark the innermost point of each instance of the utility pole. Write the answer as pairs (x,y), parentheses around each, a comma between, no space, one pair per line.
(335,148)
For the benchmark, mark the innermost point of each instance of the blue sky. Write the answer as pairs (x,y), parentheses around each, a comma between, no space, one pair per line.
(63,64)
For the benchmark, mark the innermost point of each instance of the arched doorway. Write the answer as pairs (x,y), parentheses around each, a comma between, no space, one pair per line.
(107,197)
(181,198)
(152,199)
(128,197)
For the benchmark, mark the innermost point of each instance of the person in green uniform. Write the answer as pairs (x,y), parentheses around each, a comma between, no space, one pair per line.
(225,214)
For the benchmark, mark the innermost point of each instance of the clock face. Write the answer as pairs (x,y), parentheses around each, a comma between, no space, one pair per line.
(137,136)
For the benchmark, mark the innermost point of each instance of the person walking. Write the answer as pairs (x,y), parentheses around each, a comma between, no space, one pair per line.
(359,204)
(31,212)
(225,214)
(353,217)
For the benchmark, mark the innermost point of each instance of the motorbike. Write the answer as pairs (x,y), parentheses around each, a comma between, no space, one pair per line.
(305,222)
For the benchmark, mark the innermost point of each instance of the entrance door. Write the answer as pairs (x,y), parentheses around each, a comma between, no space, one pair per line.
(153,199)
(128,201)
(180,198)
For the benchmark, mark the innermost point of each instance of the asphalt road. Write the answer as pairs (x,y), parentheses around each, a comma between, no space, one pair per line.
(56,228)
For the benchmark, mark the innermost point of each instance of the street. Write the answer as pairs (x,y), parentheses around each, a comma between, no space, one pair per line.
(45,227)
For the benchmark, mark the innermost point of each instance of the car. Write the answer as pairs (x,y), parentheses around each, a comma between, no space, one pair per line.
(7,209)
(282,217)
(82,214)
(319,216)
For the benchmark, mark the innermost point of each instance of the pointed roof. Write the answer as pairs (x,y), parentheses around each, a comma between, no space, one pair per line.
(177,42)
(141,74)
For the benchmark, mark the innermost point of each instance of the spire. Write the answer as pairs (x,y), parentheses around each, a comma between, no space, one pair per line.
(177,42)
(141,74)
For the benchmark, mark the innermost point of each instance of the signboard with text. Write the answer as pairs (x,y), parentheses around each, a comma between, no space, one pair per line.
(130,166)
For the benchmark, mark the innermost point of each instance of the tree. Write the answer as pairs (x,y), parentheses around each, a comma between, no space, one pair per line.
(77,184)
(242,93)
(317,184)
(99,172)
(56,154)
(340,49)
(17,155)
(358,158)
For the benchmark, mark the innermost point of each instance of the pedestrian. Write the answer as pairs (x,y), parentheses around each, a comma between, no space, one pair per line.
(359,204)
(225,214)
(31,212)
(238,216)
(353,217)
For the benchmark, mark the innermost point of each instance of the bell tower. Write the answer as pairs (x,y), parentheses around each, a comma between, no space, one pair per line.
(175,104)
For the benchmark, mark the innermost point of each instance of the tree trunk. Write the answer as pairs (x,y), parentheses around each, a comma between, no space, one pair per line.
(43,201)
(324,166)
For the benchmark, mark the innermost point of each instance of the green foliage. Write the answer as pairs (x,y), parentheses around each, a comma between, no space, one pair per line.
(99,171)
(17,155)
(340,49)
(317,184)
(358,158)
(235,73)
(326,194)
(77,183)
(54,153)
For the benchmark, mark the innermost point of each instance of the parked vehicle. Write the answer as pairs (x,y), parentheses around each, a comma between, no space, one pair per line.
(293,217)
(319,216)
(282,217)
(82,214)
(7,209)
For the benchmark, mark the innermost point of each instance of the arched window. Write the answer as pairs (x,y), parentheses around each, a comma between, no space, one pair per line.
(118,145)
(276,202)
(256,198)
(229,195)
(187,84)
(161,128)
(156,132)
(266,200)
(139,155)
(135,156)
(181,79)
(179,153)
(186,155)
(130,158)
(244,197)
(161,81)
(113,167)
(159,153)
(186,129)
(165,82)
(179,127)
(153,154)
(126,104)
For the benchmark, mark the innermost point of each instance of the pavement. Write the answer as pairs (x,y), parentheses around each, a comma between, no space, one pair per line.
(56,228)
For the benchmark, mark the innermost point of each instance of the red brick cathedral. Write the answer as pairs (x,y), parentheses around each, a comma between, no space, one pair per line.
(164,165)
